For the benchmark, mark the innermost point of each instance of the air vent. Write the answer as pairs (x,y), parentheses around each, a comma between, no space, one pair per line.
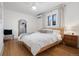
(39,16)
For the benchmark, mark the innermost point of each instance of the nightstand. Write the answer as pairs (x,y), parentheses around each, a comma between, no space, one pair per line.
(71,40)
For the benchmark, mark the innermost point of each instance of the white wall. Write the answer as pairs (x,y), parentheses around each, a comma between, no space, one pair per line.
(71,17)
(1,30)
(11,21)
(0,14)
(40,23)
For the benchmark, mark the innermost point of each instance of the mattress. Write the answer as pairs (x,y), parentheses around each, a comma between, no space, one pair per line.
(38,42)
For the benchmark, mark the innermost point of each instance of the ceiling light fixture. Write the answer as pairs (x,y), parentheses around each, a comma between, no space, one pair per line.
(33,7)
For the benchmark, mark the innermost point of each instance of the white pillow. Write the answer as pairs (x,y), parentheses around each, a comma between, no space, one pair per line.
(57,31)
(46,31)
(21,35)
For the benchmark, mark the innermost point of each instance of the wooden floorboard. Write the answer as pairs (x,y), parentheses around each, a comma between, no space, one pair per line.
(14,48)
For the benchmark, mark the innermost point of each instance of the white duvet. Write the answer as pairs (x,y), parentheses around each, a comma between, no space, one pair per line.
(38,40)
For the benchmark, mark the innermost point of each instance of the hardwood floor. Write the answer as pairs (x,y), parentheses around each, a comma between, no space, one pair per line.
(14,48)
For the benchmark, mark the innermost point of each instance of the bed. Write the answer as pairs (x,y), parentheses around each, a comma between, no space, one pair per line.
(40,41)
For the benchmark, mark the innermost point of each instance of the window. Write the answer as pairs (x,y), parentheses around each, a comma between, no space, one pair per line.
(52,20)
(49,20)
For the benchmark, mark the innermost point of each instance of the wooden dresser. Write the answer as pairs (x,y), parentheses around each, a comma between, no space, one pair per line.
(71,40)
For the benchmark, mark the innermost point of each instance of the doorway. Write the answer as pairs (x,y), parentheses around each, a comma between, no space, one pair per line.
(22,26)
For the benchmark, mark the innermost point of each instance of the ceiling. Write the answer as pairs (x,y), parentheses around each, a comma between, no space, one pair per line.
(26,7)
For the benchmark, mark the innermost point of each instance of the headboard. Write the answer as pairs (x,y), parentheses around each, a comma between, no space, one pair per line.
(60,29)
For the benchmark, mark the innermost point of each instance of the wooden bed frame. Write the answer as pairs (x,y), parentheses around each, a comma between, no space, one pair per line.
(48,46)
(42,49)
